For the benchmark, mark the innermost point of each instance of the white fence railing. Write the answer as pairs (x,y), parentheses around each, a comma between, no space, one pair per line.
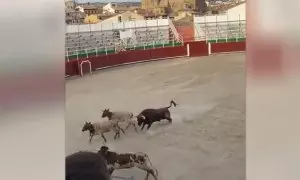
(219,28)
(219,18)
(178,37)
(116,26)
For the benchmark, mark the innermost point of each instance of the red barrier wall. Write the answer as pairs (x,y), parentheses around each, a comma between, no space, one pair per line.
(196,49)
(72,68)
(168,52)
(228,47)
(199,48)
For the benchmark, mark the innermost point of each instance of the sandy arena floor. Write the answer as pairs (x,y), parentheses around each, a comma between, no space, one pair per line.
(206,140)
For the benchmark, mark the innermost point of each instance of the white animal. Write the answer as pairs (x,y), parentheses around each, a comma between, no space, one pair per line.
(99,128)
(126,117)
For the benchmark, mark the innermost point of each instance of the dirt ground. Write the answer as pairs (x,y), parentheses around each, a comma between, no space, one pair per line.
(206,140)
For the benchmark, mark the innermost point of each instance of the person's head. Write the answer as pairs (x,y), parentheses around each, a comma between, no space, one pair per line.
(86,166)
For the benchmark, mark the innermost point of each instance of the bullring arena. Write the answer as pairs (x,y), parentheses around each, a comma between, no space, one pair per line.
(207,137)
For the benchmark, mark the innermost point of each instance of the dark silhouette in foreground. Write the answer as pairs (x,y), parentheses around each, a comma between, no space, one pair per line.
(86,166)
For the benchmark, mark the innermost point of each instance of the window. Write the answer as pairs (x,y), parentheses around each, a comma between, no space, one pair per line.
(119,18)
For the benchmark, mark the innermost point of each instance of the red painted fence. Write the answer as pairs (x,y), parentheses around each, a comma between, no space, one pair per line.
(228,47)
(195,49)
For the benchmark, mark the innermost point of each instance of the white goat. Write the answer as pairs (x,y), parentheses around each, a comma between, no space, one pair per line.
(126,117)
(99,128)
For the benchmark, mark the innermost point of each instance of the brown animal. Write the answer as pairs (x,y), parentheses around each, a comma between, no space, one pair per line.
(128,160)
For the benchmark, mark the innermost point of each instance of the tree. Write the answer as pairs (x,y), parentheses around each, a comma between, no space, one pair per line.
(91,19)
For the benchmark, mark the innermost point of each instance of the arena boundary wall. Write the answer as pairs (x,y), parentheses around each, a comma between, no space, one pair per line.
(189,49)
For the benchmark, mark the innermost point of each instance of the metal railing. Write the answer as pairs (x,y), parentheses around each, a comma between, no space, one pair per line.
(174,31)
(221,31)
(84,45)
(96,51)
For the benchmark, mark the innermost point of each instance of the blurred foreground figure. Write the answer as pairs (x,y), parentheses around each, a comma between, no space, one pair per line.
(86,166)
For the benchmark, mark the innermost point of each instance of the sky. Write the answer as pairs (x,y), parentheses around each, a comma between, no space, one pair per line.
(84,1)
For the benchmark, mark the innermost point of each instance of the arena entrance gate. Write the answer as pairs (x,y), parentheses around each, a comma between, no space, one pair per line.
(85,66)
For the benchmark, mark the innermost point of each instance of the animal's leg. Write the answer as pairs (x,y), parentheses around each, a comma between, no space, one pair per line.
(147,176)
(147,169)
(102,135)
(91,137)
(121,129)
(110,170)
(149,125)
(154,174)
(117,133)
(168,116)
(135,127)
(143,126)
(128,125)
(169,119)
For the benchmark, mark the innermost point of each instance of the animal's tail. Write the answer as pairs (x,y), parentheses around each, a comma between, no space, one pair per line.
(172,103)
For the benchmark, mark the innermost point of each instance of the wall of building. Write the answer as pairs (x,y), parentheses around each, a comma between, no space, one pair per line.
(108,8)
(92,11)
(126,16)
(176,5)
(239,10)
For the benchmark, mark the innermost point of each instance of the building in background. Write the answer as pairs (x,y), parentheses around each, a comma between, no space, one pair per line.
(115,8)
(91,19)
(73,14)
(238,10)
(91,9)
(123,17)
(173,5)
(109,8)
(74,17)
